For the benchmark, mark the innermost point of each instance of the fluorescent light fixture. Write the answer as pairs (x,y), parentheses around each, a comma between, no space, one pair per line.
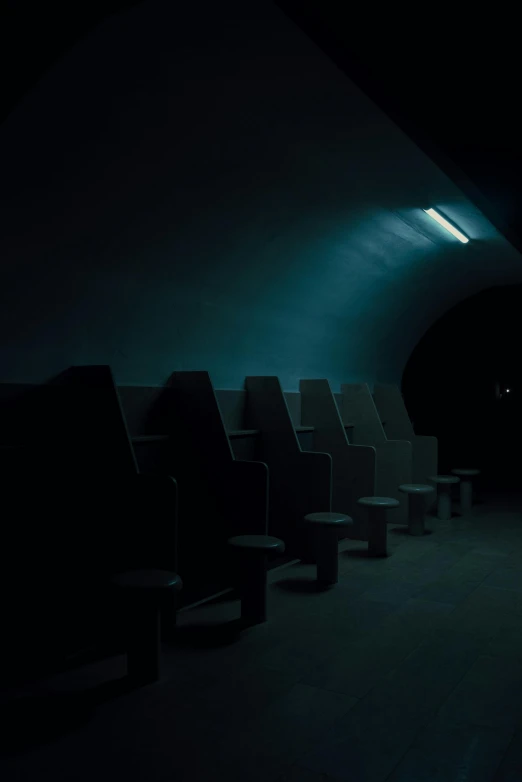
(447,225)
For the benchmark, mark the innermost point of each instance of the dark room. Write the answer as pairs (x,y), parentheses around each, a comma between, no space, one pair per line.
(260,393)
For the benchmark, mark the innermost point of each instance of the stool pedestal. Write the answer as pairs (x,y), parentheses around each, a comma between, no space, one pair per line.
(377,523)
(143,643)
(326,527)
(252,588)
(377,533)
(327,559)
(253,551)
(417,494)
(444,503)
(416,516)
(444,483)
(466,488)
(142,592)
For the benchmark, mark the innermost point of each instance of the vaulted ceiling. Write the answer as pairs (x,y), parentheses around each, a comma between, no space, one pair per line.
(448,77)
(207,190)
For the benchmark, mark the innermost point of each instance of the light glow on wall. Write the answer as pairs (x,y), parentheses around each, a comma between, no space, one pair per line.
(447,225)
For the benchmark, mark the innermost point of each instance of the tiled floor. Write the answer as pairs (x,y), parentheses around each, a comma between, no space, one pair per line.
(410,669)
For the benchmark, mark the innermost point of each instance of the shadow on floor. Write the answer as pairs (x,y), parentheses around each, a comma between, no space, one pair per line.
(304,585)
(226,597)
(208,636)
(356,553)
(404,531)
(32,720)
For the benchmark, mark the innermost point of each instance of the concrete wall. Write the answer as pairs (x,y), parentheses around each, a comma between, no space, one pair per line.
(204,189)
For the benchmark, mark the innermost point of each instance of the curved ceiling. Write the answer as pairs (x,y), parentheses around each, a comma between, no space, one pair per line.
(448,78)
(209,191)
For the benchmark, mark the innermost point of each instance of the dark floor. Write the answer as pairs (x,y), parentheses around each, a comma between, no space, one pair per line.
(410,669)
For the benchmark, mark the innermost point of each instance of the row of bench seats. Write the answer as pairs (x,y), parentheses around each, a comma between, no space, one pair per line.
(147,588)
(83,454)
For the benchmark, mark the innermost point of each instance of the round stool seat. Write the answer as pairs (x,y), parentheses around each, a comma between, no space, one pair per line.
(465,473)
(416,488)
(261,543)
(443,479)
(148,579)
(329,519)
(378,502)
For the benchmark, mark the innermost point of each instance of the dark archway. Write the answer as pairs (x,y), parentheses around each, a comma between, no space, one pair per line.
(463,383)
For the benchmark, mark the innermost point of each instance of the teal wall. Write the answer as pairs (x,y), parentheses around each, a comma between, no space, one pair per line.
(204,189)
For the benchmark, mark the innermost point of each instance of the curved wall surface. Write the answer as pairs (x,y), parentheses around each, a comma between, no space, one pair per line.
(204,189)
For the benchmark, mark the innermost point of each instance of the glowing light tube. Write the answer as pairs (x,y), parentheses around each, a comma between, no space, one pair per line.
(448,226)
